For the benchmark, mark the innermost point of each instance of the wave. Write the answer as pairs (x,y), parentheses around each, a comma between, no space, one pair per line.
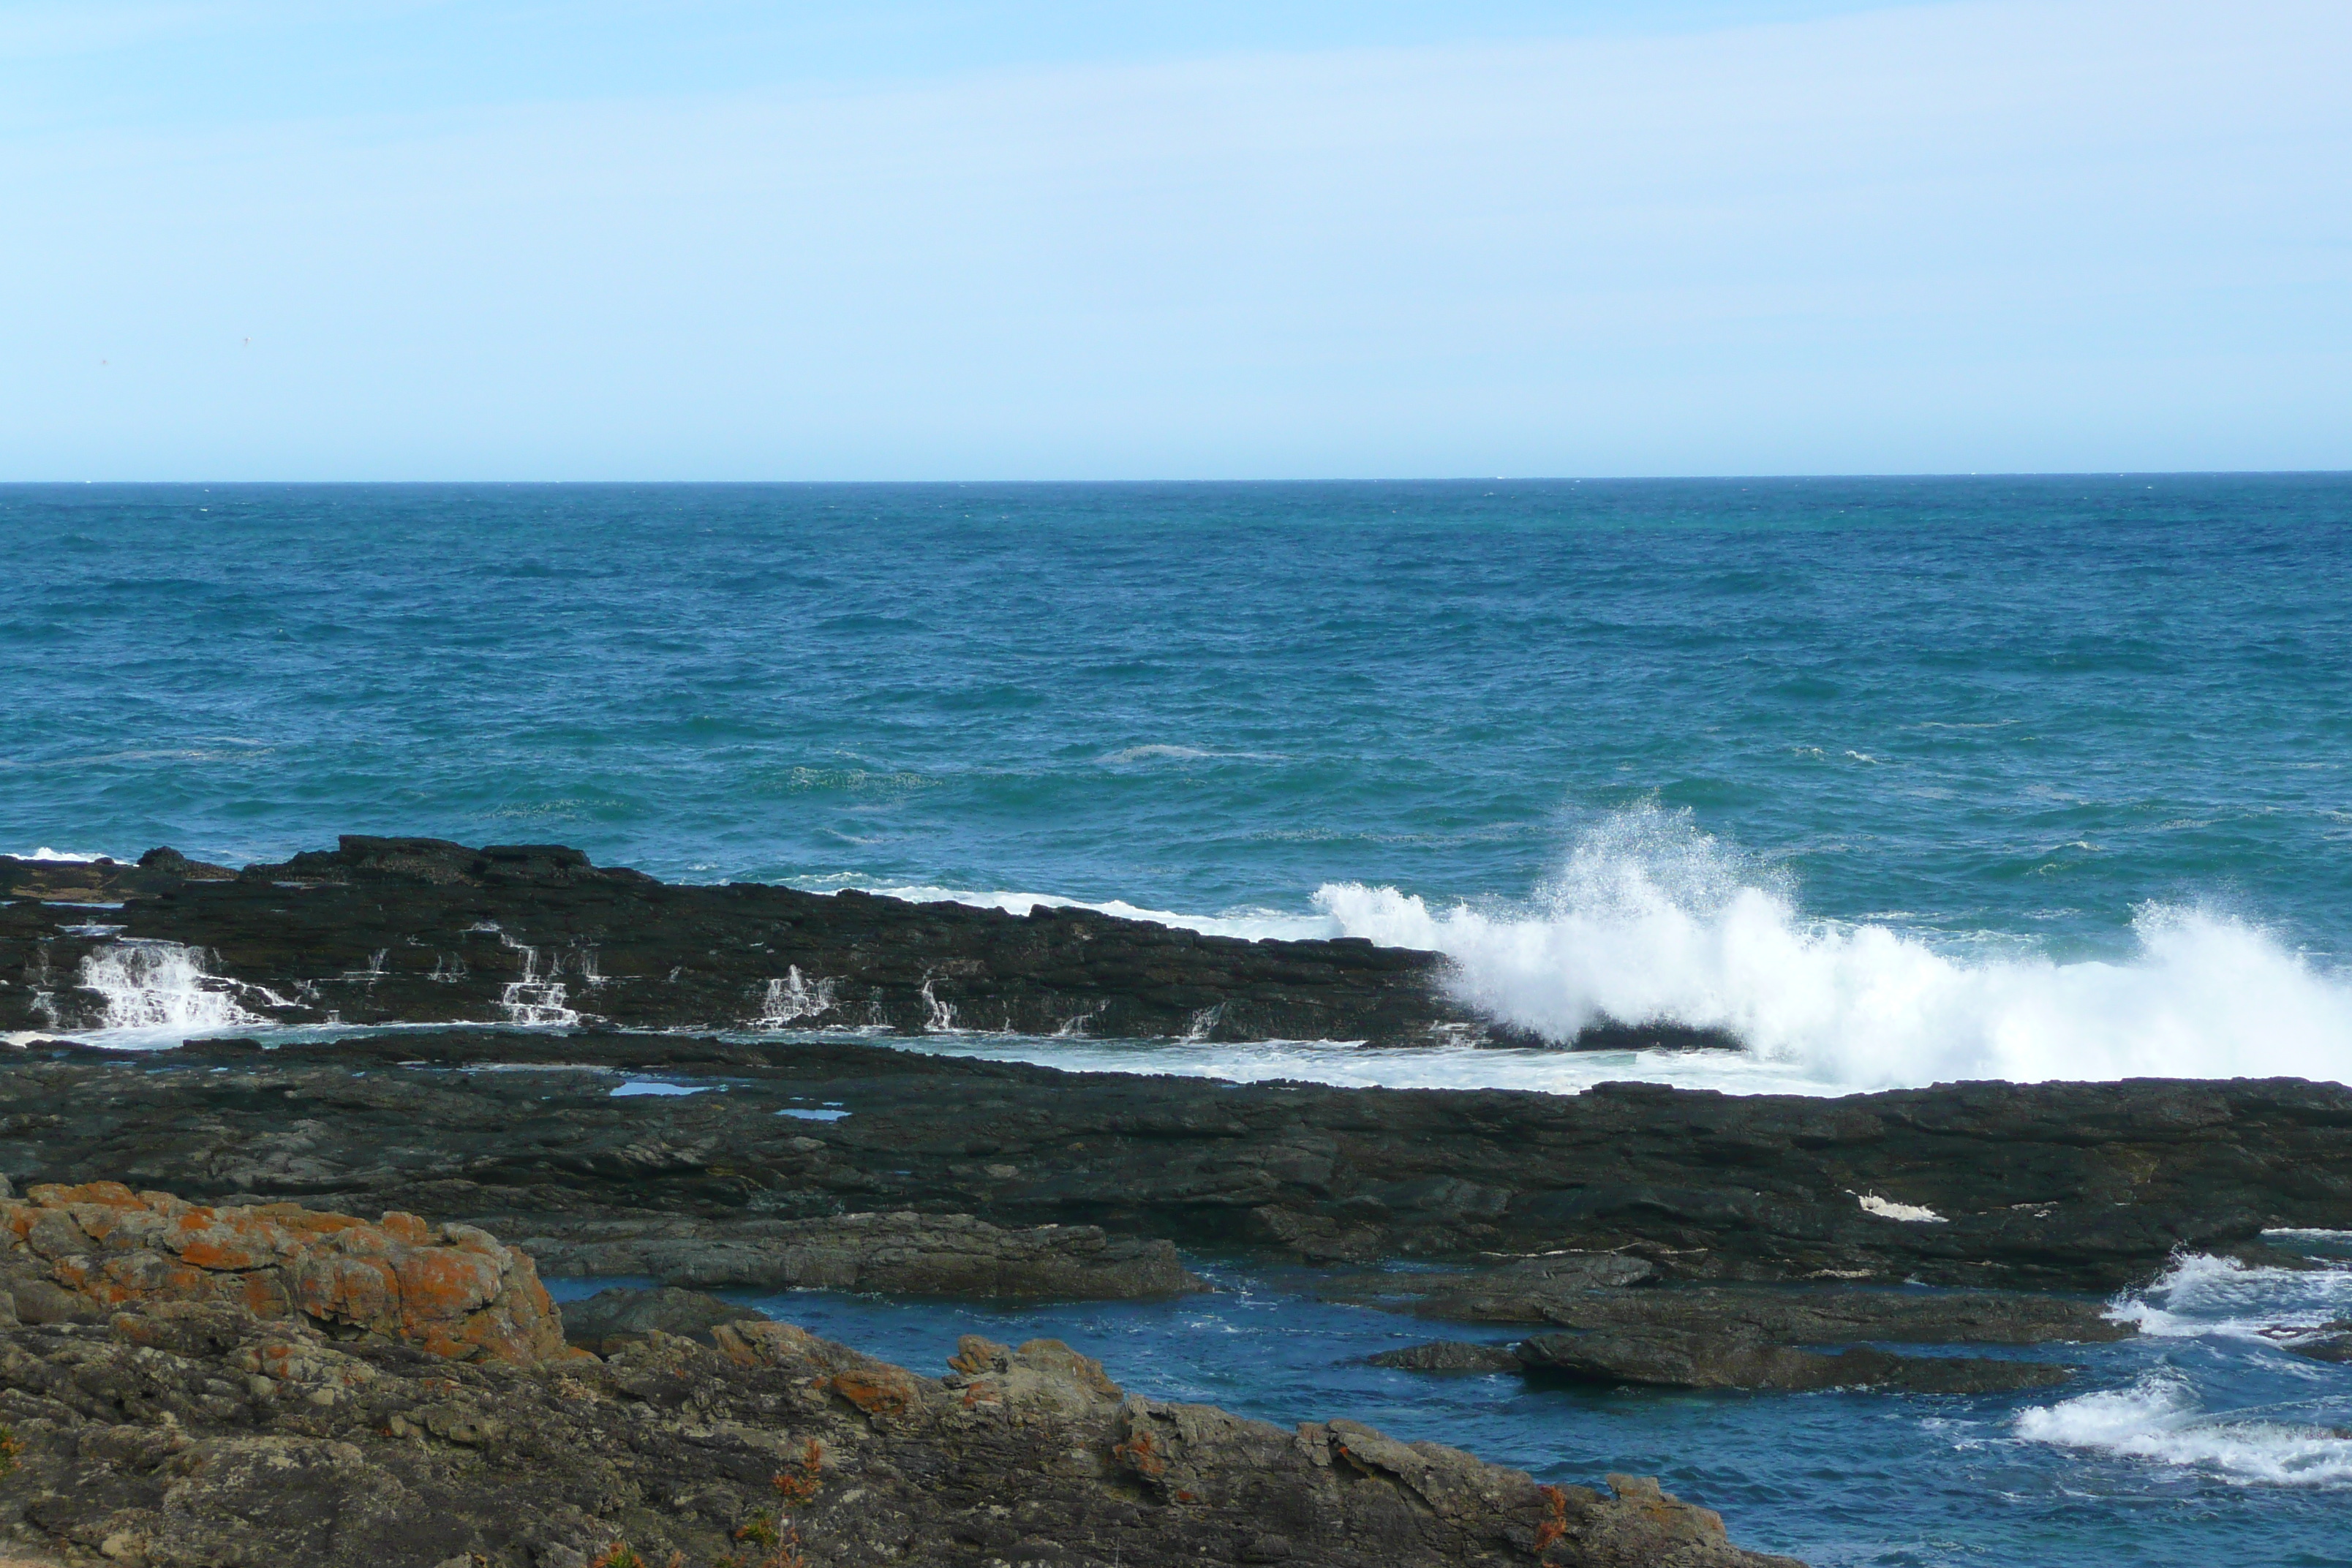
(1653,921)
(2201,1295)
(2159,1417)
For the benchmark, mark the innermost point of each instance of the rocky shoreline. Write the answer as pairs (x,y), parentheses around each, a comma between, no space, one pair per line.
(1634,1235)
(421,931)
(394,1394)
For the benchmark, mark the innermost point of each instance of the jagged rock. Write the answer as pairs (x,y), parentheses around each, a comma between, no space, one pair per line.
(1665,1359)
(903,1252)
(450,1289)
(183,1434)
(1450,1356)
(610,1319)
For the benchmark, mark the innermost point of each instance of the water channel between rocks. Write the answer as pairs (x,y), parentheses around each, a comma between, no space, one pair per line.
(2197,1443)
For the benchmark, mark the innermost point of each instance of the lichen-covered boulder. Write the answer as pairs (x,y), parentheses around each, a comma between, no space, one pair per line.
(450,1289)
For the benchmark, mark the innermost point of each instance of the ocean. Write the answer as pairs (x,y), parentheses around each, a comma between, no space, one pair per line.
(1902,781)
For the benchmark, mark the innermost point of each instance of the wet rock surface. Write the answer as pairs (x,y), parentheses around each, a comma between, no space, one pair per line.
(2328,1342)
(1664,1358)
(1804,1314)
(903,1252)
(187,1433)
(2081,1187)
(1450,1356)
(422,930)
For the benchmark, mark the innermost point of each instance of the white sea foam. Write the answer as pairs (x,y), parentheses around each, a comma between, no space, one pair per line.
(64,856)
(2159,1418)
(1652,920)
(2200,1295)
(157,992)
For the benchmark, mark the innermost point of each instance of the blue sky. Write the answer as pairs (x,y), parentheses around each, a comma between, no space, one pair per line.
(724,240)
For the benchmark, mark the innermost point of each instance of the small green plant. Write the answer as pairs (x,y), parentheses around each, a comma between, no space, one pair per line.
(11,1446)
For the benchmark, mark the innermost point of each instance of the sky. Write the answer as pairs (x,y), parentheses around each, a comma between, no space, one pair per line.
(706,239)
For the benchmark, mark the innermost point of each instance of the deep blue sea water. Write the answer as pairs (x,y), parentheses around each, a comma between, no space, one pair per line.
(1904,779)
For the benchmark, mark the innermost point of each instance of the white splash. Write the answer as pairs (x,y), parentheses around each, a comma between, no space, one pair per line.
(1910,1213)
(1652,919)
(942,1015)
(2159,1418)
(2202,1295)
(160,989)
(793,998)
(535,1001)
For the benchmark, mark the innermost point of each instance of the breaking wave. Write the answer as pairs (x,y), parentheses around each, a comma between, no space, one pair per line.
(2162,1416)
(1652,920)
(2159,1417)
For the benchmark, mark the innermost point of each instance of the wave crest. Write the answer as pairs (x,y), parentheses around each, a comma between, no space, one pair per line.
(1653,921)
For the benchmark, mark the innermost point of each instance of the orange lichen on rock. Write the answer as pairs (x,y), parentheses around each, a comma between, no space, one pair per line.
(877,1390)
(451,1289)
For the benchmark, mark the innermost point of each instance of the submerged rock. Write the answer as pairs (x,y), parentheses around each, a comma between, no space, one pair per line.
(1450,1356)
(1804,1314)
(1665,1359)
(2329,1341)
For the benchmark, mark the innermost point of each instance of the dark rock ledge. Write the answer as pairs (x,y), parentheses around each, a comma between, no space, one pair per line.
(190,1422)
(420,931)
(2074,1187)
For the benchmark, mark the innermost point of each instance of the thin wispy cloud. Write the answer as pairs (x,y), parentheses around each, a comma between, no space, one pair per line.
(1949,237)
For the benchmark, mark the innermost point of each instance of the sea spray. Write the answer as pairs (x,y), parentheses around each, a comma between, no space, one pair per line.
(2159,1418)
(161,988)
(1650,919)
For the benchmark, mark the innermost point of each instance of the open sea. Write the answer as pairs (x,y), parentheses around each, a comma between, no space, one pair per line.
(1903,781)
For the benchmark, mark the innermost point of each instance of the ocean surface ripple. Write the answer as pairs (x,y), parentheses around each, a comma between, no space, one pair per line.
(1900,780)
